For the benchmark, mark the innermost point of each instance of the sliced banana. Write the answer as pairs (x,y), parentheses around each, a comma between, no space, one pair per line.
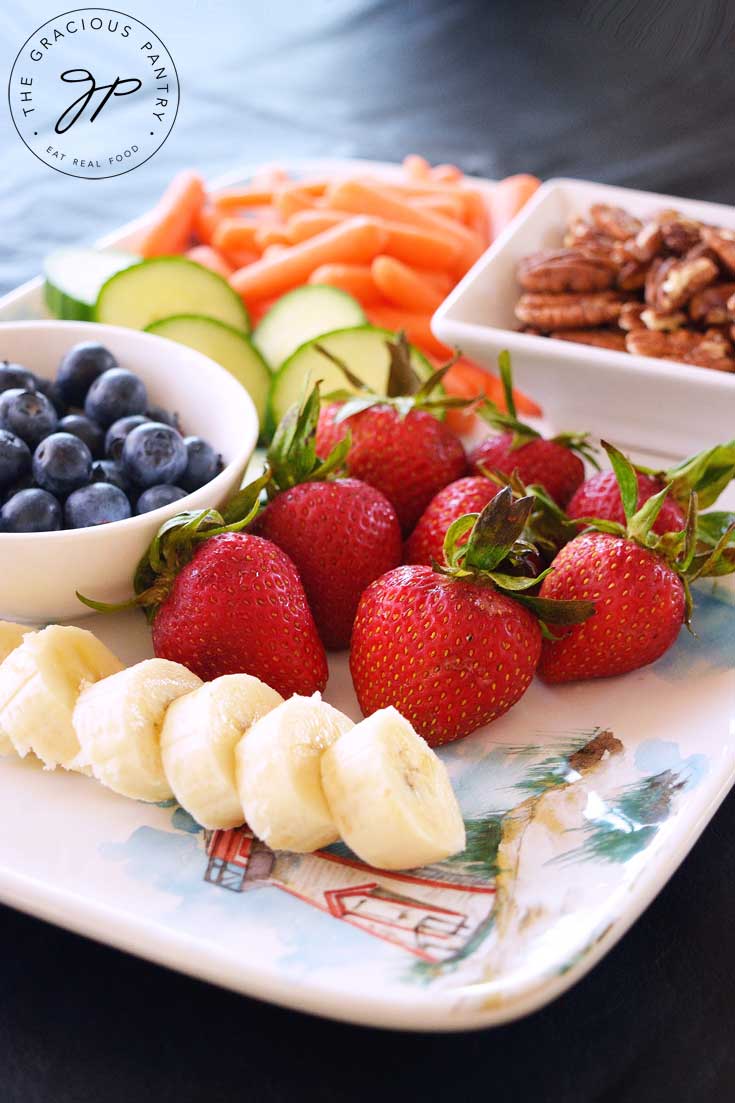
(40,681)
(118,722)
(278,775)
(11,636)
(198,740)
(390,795)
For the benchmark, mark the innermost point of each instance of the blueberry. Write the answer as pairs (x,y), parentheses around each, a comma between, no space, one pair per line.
(15,458)
(107,471)
(53,394)
(203,463)
(157,413)
(15,375)
(80,367)
(31,510)
(156,496)
(29,415)
(7,397)
(153,454)
(61,463)
(116,434)
(88,431)
(96,504)
(114,394)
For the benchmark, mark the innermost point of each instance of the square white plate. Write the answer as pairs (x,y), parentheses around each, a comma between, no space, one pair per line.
(580,803)
(628,398)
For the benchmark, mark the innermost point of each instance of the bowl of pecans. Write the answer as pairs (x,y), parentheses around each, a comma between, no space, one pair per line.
(613,302)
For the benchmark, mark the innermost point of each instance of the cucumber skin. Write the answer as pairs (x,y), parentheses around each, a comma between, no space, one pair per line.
(65,307)
(179,259)
(269,421)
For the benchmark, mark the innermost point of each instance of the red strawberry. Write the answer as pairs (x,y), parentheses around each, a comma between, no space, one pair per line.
(640,607)
(408,458)
(238,606)
(600,497)
(468,495)
(447,648)
(517,447)
(341,535)
(396,444)
(546,462)
(639,584)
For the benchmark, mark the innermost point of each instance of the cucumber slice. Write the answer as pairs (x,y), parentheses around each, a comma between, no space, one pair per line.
(74,278)
(225,344)
(302,314)
(363,349)
(164,286)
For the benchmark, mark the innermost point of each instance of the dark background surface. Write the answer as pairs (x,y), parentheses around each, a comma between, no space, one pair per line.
(636,94)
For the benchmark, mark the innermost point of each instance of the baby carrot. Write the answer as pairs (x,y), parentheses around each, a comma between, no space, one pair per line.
(210,258)
(441,281)
(446,174)
(172,222)
(235,233)
(416,167)
(424,248)
(403,286)
(476,213)
(271,235)
(355,241)
(304,224)
(507,198)
(417,328)
(240,258)
(292,198)
(205,222)
(355,279)
(231,199)
(451,206)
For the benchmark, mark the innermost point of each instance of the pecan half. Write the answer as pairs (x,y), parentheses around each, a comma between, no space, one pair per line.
(710,306)
(722,242)
(647,242)
(679,234)
(569,311)
(672,282)
(565,270)
(707,350)
(614,221)
(632,275)
(580,235)
(630,316)
(600,338)
(657,319)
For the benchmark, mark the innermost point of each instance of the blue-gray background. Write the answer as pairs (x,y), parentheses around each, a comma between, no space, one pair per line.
(619,90)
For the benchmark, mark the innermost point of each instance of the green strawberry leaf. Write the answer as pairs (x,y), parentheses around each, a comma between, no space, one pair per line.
(556,610)
(626,477)
(707,473)
(641,523)
(292,454)
(711,526)
(496,530)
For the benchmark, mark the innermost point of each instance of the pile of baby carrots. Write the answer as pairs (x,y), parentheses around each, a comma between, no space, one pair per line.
(398,246)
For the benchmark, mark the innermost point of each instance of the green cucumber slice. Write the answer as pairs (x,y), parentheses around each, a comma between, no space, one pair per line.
(363,349)
(164,286)
(74,278)
(225,344)
(302,314)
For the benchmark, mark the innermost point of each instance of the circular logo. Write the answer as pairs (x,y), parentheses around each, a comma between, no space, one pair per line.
(93,93)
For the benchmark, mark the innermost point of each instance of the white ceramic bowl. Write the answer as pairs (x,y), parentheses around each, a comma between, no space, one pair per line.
(41,572)
(630,399)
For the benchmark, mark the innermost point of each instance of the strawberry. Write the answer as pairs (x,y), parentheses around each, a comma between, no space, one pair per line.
(341,533)
(468,495)
(639,584)
(707,473)
(238,606)
(397,444)
(550,463)
(225,602)
(454,648)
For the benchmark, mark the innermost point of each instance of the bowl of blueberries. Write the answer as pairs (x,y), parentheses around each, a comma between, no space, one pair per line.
(105,433)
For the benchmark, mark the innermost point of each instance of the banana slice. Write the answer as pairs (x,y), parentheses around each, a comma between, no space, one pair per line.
(118,722)
(11,636)
(40,681)
(278,776)
(198,740)
(390,795)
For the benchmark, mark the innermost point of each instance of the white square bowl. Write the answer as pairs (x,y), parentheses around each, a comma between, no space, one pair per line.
(634,400)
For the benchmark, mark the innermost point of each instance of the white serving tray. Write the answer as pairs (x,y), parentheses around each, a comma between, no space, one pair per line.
(566,846)
(628,398)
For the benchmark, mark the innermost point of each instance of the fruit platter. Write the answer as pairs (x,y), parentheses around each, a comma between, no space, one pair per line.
(402,717)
